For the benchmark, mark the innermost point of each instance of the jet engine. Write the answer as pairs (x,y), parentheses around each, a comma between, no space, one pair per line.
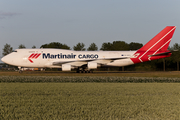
(66,67)
(92,65)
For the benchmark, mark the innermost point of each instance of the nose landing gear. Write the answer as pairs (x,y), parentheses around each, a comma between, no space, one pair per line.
(20,70)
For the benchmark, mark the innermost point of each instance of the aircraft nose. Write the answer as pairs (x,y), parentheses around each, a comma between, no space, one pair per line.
(6,59)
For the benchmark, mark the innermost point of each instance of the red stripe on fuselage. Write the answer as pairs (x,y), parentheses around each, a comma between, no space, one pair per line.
(34,56)
(30,60)
(37,55)
(31,55)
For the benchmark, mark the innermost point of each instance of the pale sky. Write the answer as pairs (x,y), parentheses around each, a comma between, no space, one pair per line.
(38,22)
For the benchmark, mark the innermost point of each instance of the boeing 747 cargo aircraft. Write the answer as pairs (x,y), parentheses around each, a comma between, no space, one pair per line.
(85,61)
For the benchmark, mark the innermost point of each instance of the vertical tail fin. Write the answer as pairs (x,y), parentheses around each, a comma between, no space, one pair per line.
(157,45)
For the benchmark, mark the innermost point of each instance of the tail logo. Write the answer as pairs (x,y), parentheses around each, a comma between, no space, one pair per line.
(33,56)
(136,55)
(157,45)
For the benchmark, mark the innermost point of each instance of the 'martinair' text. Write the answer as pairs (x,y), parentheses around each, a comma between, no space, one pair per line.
(68,56)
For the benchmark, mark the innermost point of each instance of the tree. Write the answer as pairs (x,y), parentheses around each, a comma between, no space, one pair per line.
(7,49)
(33,46)
(79,47)
(106,47)
(92,47)
(120,45)
(135,46)
(21,46)
(55,45)
(116,45)
(176,55)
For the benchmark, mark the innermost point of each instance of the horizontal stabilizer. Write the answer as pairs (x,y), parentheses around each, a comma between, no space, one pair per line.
(160,54)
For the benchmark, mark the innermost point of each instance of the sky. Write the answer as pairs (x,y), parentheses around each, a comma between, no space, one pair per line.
(38,22)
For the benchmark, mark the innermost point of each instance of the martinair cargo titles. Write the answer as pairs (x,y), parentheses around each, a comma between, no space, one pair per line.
(85,61)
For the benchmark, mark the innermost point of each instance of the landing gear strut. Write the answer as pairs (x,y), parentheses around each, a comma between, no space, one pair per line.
(82,70)
(20,71)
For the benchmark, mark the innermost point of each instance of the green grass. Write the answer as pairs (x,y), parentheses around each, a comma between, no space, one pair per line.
(96,73)
(84,79)
(89,101)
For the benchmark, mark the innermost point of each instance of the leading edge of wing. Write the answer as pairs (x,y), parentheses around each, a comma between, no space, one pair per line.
(108,60)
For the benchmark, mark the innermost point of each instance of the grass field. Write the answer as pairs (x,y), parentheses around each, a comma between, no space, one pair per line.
(89,101)
(101,95)
(96,73)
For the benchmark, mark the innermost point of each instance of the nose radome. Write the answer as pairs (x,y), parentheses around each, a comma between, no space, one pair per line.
(3,59)
(7,59)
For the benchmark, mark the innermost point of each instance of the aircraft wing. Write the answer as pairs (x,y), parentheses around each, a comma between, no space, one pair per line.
(83,62)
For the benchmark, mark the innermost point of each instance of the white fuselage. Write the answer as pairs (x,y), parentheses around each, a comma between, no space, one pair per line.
(47,58)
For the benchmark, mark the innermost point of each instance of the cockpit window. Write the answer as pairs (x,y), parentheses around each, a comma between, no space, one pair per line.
(14,51)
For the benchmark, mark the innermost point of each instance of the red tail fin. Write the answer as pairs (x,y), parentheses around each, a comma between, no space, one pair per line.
(156,45)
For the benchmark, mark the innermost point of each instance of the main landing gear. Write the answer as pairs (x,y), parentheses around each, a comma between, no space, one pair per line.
(82,70)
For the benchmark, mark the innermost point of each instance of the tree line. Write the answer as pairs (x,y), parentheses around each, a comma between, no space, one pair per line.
(114,46)
(170,63)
